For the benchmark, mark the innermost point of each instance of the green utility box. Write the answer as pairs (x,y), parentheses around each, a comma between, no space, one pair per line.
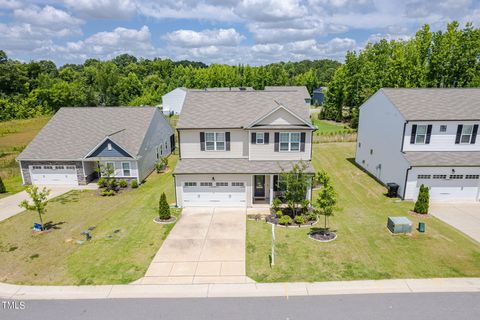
(399,225)
(421,227)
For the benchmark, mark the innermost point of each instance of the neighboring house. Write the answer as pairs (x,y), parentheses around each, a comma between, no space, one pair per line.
(172,102)
(234,144)
(319,96)
(73,145)
(301,89)
(423,136)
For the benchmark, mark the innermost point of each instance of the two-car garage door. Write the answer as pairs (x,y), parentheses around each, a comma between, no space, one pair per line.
(214,194)
(453,187)
(54,174)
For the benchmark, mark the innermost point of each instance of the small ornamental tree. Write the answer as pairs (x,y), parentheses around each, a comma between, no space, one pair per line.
(326,202)
(422,204)
(39,201)
(163,208)
(297,183)
(2,186)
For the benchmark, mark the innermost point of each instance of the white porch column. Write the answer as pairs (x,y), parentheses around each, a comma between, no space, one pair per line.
(271,189)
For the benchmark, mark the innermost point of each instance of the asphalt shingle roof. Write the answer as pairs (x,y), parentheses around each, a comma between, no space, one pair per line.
(73,132)
(216,166)
(443,158)
(436,103)
(237,109)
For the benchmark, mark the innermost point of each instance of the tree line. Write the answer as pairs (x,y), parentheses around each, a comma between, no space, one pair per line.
(440,59)
(40,87)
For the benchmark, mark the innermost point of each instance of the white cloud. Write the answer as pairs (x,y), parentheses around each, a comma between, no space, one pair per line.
(10,4)
(217,37)
(47,16)
(270,10)
(104,9)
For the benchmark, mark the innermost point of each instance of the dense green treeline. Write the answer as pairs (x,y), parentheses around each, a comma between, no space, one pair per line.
(39,87)
(448,58)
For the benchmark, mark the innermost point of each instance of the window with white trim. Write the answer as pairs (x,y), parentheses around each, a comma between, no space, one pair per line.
(190,184)
(206,184)
(421,134)
(221,184)
(215,141)
(260,138)
(467,131)
(109,146)
(456,176)
(59,167)
(36,167)
(238,184)
(47,167)
(439,176)
(443,128)
(472,176)
(110,167)
(71,167)
(424,176)
(289,141)
(126,169)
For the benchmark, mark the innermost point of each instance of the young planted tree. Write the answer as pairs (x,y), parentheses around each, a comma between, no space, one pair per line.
(326,202)
(2,186)
(297,183)
(422,203)
(39,201)
(163,208)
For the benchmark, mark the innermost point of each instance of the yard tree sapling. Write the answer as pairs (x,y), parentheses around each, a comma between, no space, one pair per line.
(39,199)
(163,208)
(326,202)
(297,183)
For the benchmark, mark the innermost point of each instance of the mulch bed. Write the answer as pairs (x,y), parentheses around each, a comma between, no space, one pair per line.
(274,220)
(323,236)
(420,215)
(171,220)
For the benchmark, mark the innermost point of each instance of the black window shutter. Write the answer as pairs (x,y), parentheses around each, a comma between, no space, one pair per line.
(459,133)
(413,134)
(266,138)
(227,141)
(254,138)
(302,142)
(429,134)
(474,134)
(277,139)
(202,141)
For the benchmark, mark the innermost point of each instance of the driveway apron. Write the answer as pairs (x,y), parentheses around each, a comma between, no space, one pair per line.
(207,245)
(462,216)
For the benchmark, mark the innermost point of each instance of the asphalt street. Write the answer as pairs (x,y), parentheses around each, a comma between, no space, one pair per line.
(409,306)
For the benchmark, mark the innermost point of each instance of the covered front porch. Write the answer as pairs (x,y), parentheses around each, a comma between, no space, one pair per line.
(266,187)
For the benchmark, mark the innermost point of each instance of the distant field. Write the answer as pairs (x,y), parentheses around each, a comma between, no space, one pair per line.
(14,137)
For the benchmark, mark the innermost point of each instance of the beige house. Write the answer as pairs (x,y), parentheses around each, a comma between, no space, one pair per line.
(234,144)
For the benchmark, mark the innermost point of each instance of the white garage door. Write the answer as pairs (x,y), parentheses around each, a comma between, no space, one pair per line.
(453,188)
(54,175)
(214,194)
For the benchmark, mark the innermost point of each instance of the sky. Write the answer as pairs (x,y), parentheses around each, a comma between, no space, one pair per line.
(255,32)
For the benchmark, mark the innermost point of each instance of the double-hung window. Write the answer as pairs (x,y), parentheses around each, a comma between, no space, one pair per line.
(260,138)
(467,131)
(421,134)
(126,169)
(215,141)
(289,141)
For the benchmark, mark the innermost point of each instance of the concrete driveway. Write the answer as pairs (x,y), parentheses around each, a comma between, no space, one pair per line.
(462,216)
(207,245)
(9,205)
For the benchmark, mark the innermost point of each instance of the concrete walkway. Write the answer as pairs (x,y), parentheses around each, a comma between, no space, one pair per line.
(207,245)
(240,290)
(9,205)
(462,216)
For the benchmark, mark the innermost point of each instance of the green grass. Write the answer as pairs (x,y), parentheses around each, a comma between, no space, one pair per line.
(14,137)
(364,248)
(329,127)
(55,258)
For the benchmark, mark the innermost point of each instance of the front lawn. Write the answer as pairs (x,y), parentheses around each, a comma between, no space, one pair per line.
(364,248)
(111,256)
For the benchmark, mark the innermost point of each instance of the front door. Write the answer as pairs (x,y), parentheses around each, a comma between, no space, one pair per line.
(259,183)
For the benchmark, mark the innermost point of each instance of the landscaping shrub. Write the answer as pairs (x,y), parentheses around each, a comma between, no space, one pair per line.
(299,219)
(112,184)
(102,183)
(312,217)
(123,183)
(134,184)
(276,203)
(164,161)
(421,206)
(108,193)
(159,167)
(279,213)
(163,208)
(2,186)
(285,220)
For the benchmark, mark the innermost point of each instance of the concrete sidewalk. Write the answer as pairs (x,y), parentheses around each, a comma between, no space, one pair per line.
(18,292)
(9,205)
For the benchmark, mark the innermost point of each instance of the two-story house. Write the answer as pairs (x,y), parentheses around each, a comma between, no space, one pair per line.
(233,145)
(423,136)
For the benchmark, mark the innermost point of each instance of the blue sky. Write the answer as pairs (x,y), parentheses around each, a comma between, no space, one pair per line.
(215,31)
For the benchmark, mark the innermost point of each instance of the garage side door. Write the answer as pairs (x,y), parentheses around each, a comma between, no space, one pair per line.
(54,175)
(214,194)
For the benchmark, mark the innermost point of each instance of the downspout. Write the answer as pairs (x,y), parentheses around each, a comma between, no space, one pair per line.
(405,185)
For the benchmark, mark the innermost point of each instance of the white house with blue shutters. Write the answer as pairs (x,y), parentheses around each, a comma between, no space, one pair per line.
(423,136)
